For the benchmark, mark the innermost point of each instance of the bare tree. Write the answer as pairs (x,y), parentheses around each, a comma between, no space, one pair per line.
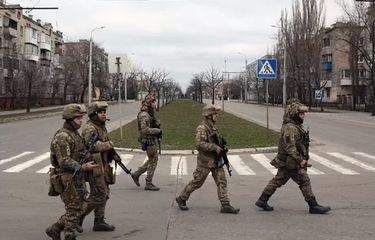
(213,79)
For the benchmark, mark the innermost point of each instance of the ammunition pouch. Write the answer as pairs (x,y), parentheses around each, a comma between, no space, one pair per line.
(277,163)
(291,164)
(56,186)
(144,143)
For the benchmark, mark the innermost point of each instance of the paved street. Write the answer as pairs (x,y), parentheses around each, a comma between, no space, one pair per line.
(342,176)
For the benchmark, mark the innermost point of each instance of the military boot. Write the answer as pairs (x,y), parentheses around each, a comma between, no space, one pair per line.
(181,204)
(262,202)
(151,187)
(54,231)
(315,208)
(227,208)
(101,226)
(135,177)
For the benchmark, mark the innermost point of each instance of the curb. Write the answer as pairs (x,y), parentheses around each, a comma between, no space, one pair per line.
(192,152)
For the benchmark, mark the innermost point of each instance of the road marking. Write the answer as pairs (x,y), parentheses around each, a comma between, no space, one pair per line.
(265,162)
(27,164)
(2,161)
(178,166)
(314,171)
(365,155)
(352,161)
(334,166)
(238,165)
(45,169)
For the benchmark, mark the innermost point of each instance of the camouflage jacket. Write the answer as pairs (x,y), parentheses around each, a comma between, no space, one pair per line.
(148,127)
(66,147)
(101,147)
(204,144)
(291,143)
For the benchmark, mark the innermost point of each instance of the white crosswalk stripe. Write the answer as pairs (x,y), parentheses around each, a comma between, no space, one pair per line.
(265,162)
(352,161)
(334,166)
(314,171)
(179,165)
(27,164)
(45,169)
(238,165)
(2,161)
(364,155)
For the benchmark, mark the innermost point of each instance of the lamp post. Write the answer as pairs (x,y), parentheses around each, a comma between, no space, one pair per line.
(284,65)
(245,98)
(90,64)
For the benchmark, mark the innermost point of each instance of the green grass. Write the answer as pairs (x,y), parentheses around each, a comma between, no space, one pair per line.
(179,121)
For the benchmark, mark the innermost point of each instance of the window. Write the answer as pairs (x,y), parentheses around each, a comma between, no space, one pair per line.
(361,73)
(360,58)
(21,31)
(361,41)
(327,58)
(326,42)
(346,73)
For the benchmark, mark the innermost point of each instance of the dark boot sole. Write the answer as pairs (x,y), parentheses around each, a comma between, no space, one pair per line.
(262,206)
(52,234)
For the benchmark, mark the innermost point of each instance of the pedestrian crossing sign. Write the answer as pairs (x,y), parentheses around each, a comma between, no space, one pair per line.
(267,68)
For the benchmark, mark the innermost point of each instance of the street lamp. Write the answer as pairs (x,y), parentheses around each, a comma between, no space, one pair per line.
(245,98)
(284,65)
(90,63)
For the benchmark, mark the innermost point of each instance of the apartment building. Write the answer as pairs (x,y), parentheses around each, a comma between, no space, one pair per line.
(23,38)
(337,72)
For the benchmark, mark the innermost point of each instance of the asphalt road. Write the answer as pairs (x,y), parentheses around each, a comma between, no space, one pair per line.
(343,176)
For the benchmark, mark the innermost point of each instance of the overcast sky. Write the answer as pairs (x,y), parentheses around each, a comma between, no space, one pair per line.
(182,37)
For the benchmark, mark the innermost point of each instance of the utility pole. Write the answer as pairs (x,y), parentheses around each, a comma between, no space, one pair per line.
(119,90)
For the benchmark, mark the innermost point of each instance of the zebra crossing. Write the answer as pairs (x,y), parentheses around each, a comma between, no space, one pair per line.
(324,163)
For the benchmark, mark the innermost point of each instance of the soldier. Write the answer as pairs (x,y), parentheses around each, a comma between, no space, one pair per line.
(66,148)
(206,163)
(103,175)
(291,161)
(149,133)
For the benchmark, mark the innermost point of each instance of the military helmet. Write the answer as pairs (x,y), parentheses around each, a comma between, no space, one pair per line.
(73,110)
(296,108)
(210,109)
(97,106)
(149,98)
(292,100)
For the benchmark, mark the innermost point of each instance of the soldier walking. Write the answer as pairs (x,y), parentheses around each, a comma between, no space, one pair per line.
(291,160)
(206,163)
(149,133)
(66,148)
(102,176)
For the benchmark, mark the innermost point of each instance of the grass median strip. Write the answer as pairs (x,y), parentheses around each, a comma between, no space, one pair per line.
(179,120)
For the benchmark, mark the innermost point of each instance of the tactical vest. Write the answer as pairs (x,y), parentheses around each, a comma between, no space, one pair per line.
(76,148)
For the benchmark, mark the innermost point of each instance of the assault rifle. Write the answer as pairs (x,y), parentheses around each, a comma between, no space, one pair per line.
(117,158)
(223,155)
(85,153)
(306,144)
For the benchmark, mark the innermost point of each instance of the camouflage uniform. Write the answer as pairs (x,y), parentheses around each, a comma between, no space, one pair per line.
(66,147)
(149,131)
(102,176)
(206,163)
(290,154)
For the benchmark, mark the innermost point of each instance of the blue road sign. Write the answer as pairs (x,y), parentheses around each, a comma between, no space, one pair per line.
(267,68)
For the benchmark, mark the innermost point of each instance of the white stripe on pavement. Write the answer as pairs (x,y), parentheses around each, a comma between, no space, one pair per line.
(265,162)
(178,165)
(2,161)
(365,155)
(27,164)
(314,171)
(352,161)
(334,166)
(238,165)
(45,169)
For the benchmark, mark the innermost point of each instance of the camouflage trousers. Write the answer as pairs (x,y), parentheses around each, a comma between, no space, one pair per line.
(199,177)
(74,205)
(298,176)
(99,194)
(150,164)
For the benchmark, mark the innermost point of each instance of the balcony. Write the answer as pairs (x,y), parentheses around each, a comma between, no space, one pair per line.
(326,83)
(45,46)
(45,55)
(346,82)
(327,66)
(31,57)
(11,31)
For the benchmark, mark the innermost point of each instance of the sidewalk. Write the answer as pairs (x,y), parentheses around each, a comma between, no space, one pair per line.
(20,111)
